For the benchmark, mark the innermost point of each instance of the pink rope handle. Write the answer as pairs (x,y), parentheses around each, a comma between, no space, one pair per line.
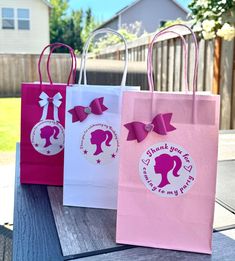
(56,45)
(150,51)
(73,65)
(150,64)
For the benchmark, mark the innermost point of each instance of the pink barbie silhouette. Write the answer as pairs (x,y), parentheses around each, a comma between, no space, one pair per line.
(47,132)
(163,164)
(100,136)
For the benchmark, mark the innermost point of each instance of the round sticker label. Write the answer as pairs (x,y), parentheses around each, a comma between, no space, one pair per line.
(167,169)
(99,144)
(47,137)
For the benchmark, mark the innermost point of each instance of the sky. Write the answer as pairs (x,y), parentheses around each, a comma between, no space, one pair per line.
(105,9)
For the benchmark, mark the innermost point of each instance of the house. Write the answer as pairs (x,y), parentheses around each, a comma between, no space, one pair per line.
(24,26)
(151,13)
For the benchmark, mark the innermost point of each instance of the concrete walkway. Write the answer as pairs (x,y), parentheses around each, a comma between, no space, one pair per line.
(226,145)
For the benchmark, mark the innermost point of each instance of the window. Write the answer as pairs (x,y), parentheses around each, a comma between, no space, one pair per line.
(23,19)
(8,18)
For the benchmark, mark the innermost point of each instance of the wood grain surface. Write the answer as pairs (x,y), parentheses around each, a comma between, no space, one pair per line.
(223,250)
(82,230)
(85,234)
(34,236)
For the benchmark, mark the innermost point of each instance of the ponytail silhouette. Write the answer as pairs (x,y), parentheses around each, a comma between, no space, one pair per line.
(100,136)
(163,164)
(47,132)
(178,165)
(110,137)
(56,132)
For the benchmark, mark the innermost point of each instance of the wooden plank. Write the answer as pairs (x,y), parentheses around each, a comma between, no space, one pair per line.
(7,80)
(34,236)
(155,66)
(226,77)
(164,63)
(208,86)
(233,104)
(15,71)
(191,62)
(32,68)
(142,48)
(145,53)
(5,244)
(233,93)
(144,40)
(183,85)
(18,68)
(223,249)
(217,65)
(22,75)
(72,223)
(178,64)
(82,230)
(158,66)
(201,65)
(171,72)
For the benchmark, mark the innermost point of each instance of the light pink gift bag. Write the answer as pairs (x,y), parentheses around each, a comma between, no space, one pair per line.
(42,126)
(169,144)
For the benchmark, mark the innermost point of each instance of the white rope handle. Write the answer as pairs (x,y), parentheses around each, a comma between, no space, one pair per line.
(85,51)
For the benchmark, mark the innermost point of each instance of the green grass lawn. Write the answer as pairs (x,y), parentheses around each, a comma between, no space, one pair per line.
(9,123)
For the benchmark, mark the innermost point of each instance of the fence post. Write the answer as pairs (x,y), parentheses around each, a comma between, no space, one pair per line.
(233,91)
(216,66)
(226,83)
(118,55)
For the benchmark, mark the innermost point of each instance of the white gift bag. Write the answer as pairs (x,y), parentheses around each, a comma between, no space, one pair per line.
(92,139)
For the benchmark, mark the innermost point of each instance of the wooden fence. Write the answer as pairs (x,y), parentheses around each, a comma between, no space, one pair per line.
(216,72)
(18,68)
(216,69)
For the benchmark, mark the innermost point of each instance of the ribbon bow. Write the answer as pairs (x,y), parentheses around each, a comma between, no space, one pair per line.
(44,102)
(80,113)
(160,124)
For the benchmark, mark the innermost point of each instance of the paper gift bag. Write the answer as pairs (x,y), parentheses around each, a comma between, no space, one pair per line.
(92,139)
(169,144)
(42,127)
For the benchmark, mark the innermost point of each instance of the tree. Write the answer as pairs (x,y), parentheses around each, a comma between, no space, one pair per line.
(57,22)
(214,18)
(70,28)
(73,29)
(130,33)
(89,26)
(77,17)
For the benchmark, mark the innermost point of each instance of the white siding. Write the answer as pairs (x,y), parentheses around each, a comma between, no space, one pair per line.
(113,24)
(26,41)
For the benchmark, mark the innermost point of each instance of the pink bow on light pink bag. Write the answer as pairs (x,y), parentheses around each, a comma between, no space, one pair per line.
(160,124)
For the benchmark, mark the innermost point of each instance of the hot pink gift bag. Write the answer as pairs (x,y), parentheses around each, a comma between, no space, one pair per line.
(169,144)
(42,126)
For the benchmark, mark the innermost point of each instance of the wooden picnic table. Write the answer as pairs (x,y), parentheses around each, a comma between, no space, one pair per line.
(40,219)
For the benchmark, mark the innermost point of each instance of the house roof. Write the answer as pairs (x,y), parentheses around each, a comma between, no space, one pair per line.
(47,3)
(133,4)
